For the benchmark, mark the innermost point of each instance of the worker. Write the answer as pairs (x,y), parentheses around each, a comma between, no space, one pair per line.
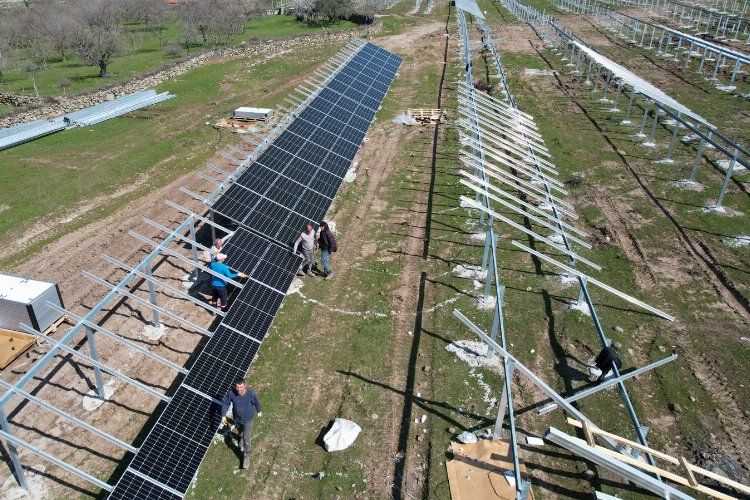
(327,244)
(605,361)
(216,248)
(307,238)
(219,284)
(244,404)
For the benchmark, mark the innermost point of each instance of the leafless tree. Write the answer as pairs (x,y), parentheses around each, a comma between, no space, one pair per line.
(214,21)
(99,37)
(304,9)
(58,26)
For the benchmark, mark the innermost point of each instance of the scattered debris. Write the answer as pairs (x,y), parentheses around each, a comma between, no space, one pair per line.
(478,236)
(351,174)
(427,116)
(688,184)
(152,332)
(92,401)
(486,304)
(399,456)
(534,441)
(404,119)
(469,271)
(539,72)
(738,241)
(319,475)
(295,287)
(474,353)
(737,169)
(582,308)
(467,437)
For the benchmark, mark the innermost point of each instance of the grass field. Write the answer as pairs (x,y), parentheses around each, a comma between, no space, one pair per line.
(142,53)
(109,158)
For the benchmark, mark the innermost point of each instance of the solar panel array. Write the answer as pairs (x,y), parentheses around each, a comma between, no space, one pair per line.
(295,180)
(291,183)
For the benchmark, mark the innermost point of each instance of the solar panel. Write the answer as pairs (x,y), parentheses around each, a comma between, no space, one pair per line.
(133,486)
(293,182)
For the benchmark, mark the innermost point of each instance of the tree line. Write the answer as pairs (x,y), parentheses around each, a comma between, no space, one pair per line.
(96,30)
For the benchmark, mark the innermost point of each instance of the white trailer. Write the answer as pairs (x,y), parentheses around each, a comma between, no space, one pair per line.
(259,114)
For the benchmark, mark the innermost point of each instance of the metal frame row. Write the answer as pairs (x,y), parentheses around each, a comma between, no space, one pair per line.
(184,233)
(609,75)
(504,149)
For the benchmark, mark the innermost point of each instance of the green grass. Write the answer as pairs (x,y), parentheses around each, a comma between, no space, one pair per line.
(143,55)
(100,160)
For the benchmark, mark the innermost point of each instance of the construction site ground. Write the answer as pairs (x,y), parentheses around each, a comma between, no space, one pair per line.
(371,344)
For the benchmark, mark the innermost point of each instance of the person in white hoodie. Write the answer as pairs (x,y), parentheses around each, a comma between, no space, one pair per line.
(307,239)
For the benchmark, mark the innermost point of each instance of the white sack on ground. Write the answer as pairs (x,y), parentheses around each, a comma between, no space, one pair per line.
(342,435)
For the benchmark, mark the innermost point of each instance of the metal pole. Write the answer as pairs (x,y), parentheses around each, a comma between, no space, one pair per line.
(674,139)
(724,186)
(698,156)
(13,452)
(645,118)
(626,121)
(152,295)
(95,356)
(498,433)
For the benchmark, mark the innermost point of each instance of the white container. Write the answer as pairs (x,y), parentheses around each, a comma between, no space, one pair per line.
(24,300)
(261,114)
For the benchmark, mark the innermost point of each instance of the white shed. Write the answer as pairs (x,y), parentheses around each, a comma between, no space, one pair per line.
(24,300)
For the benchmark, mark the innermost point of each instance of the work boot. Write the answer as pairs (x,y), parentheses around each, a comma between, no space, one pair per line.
(245,461)
(329,275)
(310,273)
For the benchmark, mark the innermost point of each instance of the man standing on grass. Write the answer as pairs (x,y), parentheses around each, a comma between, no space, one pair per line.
(327,244)
(244,405)
(307,238)
(219,284)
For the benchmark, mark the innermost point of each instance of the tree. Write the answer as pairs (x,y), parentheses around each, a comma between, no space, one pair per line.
(99,37)
(58,27)
(334,10)
(211,20)
(367,9)
(64,84)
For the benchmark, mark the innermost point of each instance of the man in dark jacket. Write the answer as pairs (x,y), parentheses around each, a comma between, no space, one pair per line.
(605,361)
(244,404)
(327,244)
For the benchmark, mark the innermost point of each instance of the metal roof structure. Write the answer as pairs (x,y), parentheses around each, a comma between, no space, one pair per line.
(471,7)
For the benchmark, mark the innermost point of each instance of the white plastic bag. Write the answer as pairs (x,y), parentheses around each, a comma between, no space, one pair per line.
(342,435)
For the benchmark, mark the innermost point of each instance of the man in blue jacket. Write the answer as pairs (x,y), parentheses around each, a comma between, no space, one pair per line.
(218,284)
(244,404)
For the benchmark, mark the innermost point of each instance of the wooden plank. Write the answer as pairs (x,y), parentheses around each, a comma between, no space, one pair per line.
(688,472)
(690,467)
(476,472)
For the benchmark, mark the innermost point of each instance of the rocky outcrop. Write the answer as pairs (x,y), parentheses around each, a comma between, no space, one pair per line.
(37,108)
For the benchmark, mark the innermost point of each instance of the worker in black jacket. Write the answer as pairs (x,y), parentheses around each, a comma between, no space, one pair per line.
(327,245)
(605,361)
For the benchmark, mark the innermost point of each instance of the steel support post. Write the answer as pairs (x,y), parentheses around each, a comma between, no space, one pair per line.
(724,186)
(734,72)
(626,120)
(152,295)
(645,117)
(617,96)
(652,135)
(510,367)
(13,452)
(213,227)
(95,357)
(596,79)
(194,249)
(676,130)
(698,156)
(688,55)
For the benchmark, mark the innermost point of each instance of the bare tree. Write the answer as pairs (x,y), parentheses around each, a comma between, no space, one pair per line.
(58,26)
(211,20)
(99,37)
(304,9)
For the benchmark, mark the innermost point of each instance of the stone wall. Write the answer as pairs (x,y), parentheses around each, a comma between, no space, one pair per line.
(38,108)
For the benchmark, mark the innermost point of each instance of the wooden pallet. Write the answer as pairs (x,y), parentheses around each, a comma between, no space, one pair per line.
(427,116)
(13,343)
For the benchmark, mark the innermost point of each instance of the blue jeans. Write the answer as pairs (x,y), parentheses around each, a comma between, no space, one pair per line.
(324,258)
